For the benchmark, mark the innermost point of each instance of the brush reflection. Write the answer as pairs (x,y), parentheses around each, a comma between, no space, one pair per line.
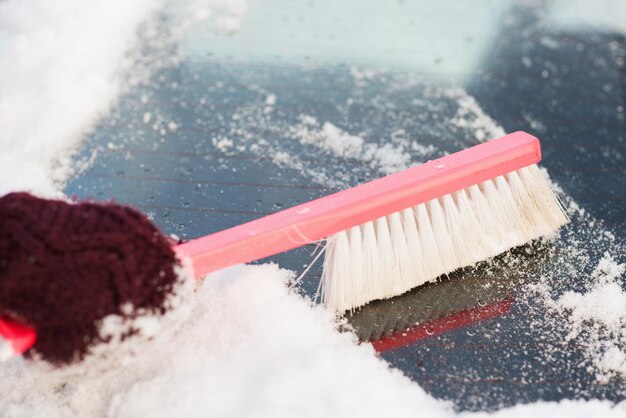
(465,297)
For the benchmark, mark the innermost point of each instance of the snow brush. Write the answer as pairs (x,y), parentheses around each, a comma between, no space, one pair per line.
(383,237)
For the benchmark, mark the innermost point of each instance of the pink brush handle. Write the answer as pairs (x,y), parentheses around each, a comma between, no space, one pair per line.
(310,222)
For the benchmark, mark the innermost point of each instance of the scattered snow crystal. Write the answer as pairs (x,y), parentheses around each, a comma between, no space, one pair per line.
(599,316)
(471,116)
(387,158)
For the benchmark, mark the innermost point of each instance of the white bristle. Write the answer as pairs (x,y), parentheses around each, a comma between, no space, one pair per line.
(393,254)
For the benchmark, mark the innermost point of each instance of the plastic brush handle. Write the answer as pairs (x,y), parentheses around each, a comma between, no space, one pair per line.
(15,338)
(310,222)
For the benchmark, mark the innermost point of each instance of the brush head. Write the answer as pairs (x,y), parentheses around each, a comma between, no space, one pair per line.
(65,267)
(393,254)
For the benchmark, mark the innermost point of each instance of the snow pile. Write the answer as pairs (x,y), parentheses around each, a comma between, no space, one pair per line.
(59,75)
(597,317)
(62,66)
(250,347)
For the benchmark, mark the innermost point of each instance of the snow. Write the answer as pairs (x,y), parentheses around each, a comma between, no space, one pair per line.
(471,116)
(388,158)
(357,155)
(599,316)
(259,348)
(592,318)
(59,75)
(605,301)
(270,100)
(249,346)
(6,351)
(223,144)
(172,126)
(245,344)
